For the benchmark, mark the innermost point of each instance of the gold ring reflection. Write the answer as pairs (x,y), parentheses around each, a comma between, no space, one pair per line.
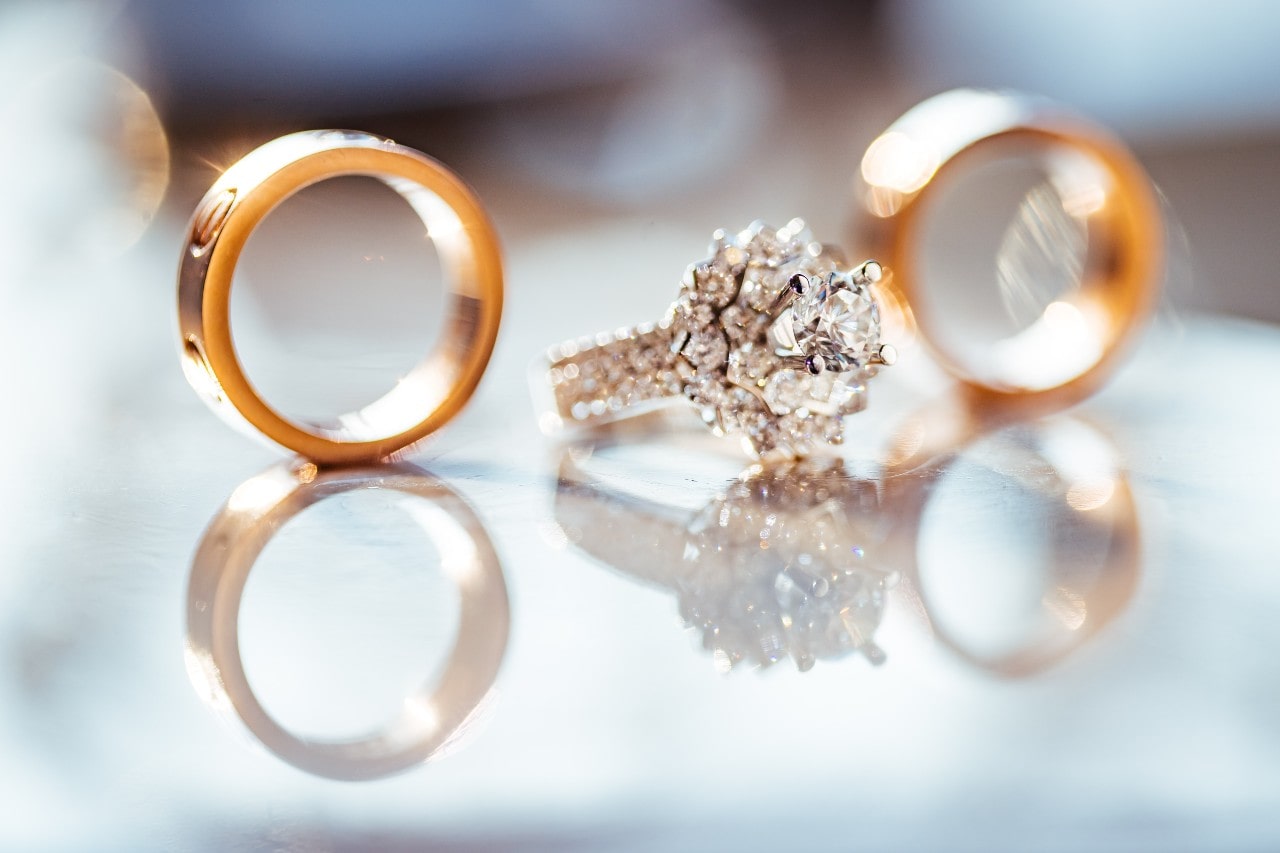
(455,221)
(801,559)
(431,717)
(1093,540)
(1078,340)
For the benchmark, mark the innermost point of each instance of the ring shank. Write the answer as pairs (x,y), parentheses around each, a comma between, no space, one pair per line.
(1073,348)
(436,389)
(595,380)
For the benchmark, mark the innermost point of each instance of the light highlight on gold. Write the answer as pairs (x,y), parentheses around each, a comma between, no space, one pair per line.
(899,162)
(261,492)
(1068,606)
(1058,346)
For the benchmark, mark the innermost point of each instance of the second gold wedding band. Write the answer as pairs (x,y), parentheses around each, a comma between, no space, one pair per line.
(1096,189)
(437,388)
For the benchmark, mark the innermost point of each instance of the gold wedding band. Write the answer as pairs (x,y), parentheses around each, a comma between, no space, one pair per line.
(437,388)
(1077,342)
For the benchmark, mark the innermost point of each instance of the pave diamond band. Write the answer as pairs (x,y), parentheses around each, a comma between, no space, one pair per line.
(772,339)
(596,379)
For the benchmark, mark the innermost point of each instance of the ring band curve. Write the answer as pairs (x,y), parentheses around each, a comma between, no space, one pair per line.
(1102,185)
(432,716)
(466,243)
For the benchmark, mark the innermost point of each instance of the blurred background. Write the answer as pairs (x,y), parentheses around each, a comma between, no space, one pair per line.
(608,141)
(646,107)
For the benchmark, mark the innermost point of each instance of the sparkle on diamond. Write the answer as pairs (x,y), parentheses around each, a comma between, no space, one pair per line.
(838,320)
(724,316)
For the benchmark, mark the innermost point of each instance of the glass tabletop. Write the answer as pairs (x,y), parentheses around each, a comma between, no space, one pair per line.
(967,630)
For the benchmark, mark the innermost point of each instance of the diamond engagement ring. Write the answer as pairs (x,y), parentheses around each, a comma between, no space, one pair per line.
(772,339)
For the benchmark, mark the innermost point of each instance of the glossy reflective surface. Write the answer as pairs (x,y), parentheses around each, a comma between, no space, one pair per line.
(1035,631)
(1022,534)
(432,717)
(1069,616)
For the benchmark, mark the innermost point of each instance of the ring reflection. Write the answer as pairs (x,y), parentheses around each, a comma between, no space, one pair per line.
(1019,537)
(432,717)
(1015,540)
(781,563)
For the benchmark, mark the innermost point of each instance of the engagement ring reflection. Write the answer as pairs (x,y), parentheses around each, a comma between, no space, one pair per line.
(784,563)
(1012,542)
(433,717)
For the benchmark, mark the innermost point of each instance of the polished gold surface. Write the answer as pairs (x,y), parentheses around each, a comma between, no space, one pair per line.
(1078,340)
(432,393)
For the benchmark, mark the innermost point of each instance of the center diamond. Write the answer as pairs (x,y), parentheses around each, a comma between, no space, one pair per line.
(837,320)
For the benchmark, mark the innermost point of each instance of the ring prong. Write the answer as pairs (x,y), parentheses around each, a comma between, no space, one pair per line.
(869,273)
(886,355)
(796,286)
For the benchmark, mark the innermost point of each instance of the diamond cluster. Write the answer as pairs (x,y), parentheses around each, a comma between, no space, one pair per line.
(744,381)
(769,339)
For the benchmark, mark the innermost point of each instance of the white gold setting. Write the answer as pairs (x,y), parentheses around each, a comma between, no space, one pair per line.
(772,338)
